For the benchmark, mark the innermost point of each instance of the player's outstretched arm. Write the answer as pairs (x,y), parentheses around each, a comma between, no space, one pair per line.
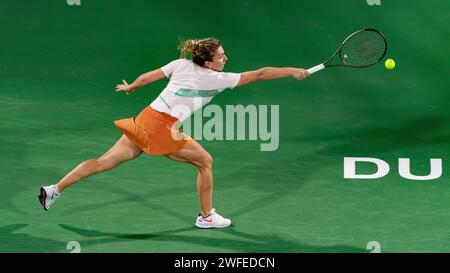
(271,73)
(142,80)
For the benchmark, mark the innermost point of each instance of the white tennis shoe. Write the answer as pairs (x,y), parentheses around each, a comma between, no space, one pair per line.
(213,220)
(48,195)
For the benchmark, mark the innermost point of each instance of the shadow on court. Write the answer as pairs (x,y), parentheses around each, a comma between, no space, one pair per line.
(243,242)
(275,192)
(14,241)
(259,177)
(144,200)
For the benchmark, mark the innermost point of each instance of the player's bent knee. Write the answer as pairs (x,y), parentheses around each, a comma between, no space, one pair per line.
(206,161)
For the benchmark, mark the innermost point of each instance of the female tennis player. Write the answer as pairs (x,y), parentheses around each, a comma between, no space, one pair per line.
(155,129)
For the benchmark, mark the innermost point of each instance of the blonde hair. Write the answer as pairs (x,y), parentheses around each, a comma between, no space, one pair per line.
(202,50)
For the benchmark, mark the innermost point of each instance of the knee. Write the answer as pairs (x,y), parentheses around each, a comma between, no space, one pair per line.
(96,165)
(206,161)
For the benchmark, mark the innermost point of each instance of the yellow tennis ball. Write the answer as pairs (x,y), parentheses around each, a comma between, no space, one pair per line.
(389,64)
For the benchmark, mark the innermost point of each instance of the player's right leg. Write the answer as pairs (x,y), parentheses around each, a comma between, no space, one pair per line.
(123,150)
(196,155)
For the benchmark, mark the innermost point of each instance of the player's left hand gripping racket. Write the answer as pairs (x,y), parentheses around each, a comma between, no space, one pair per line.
(362,48)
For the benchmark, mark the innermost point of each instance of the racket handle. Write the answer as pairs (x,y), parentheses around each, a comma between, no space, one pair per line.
(316,68)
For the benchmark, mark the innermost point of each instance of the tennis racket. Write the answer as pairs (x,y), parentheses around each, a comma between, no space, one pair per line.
(362,48)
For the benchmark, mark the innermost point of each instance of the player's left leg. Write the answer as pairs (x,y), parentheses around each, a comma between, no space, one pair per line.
(123,150)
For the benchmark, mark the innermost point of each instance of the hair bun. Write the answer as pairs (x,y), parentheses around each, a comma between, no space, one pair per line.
(202,49)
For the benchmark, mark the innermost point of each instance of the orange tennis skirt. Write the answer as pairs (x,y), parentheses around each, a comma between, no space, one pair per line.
(156,133)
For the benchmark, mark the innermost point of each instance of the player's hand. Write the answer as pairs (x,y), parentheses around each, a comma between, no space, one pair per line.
(300,74)
(124,87)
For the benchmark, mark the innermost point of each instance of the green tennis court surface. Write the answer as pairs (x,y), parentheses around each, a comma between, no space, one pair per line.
(60,63)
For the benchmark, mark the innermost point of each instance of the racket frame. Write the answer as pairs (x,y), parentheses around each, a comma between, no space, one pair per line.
(324,64)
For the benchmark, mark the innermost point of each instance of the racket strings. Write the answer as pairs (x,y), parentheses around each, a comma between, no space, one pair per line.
(363,49)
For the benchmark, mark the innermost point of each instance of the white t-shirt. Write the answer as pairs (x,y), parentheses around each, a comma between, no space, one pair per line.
(190,87)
